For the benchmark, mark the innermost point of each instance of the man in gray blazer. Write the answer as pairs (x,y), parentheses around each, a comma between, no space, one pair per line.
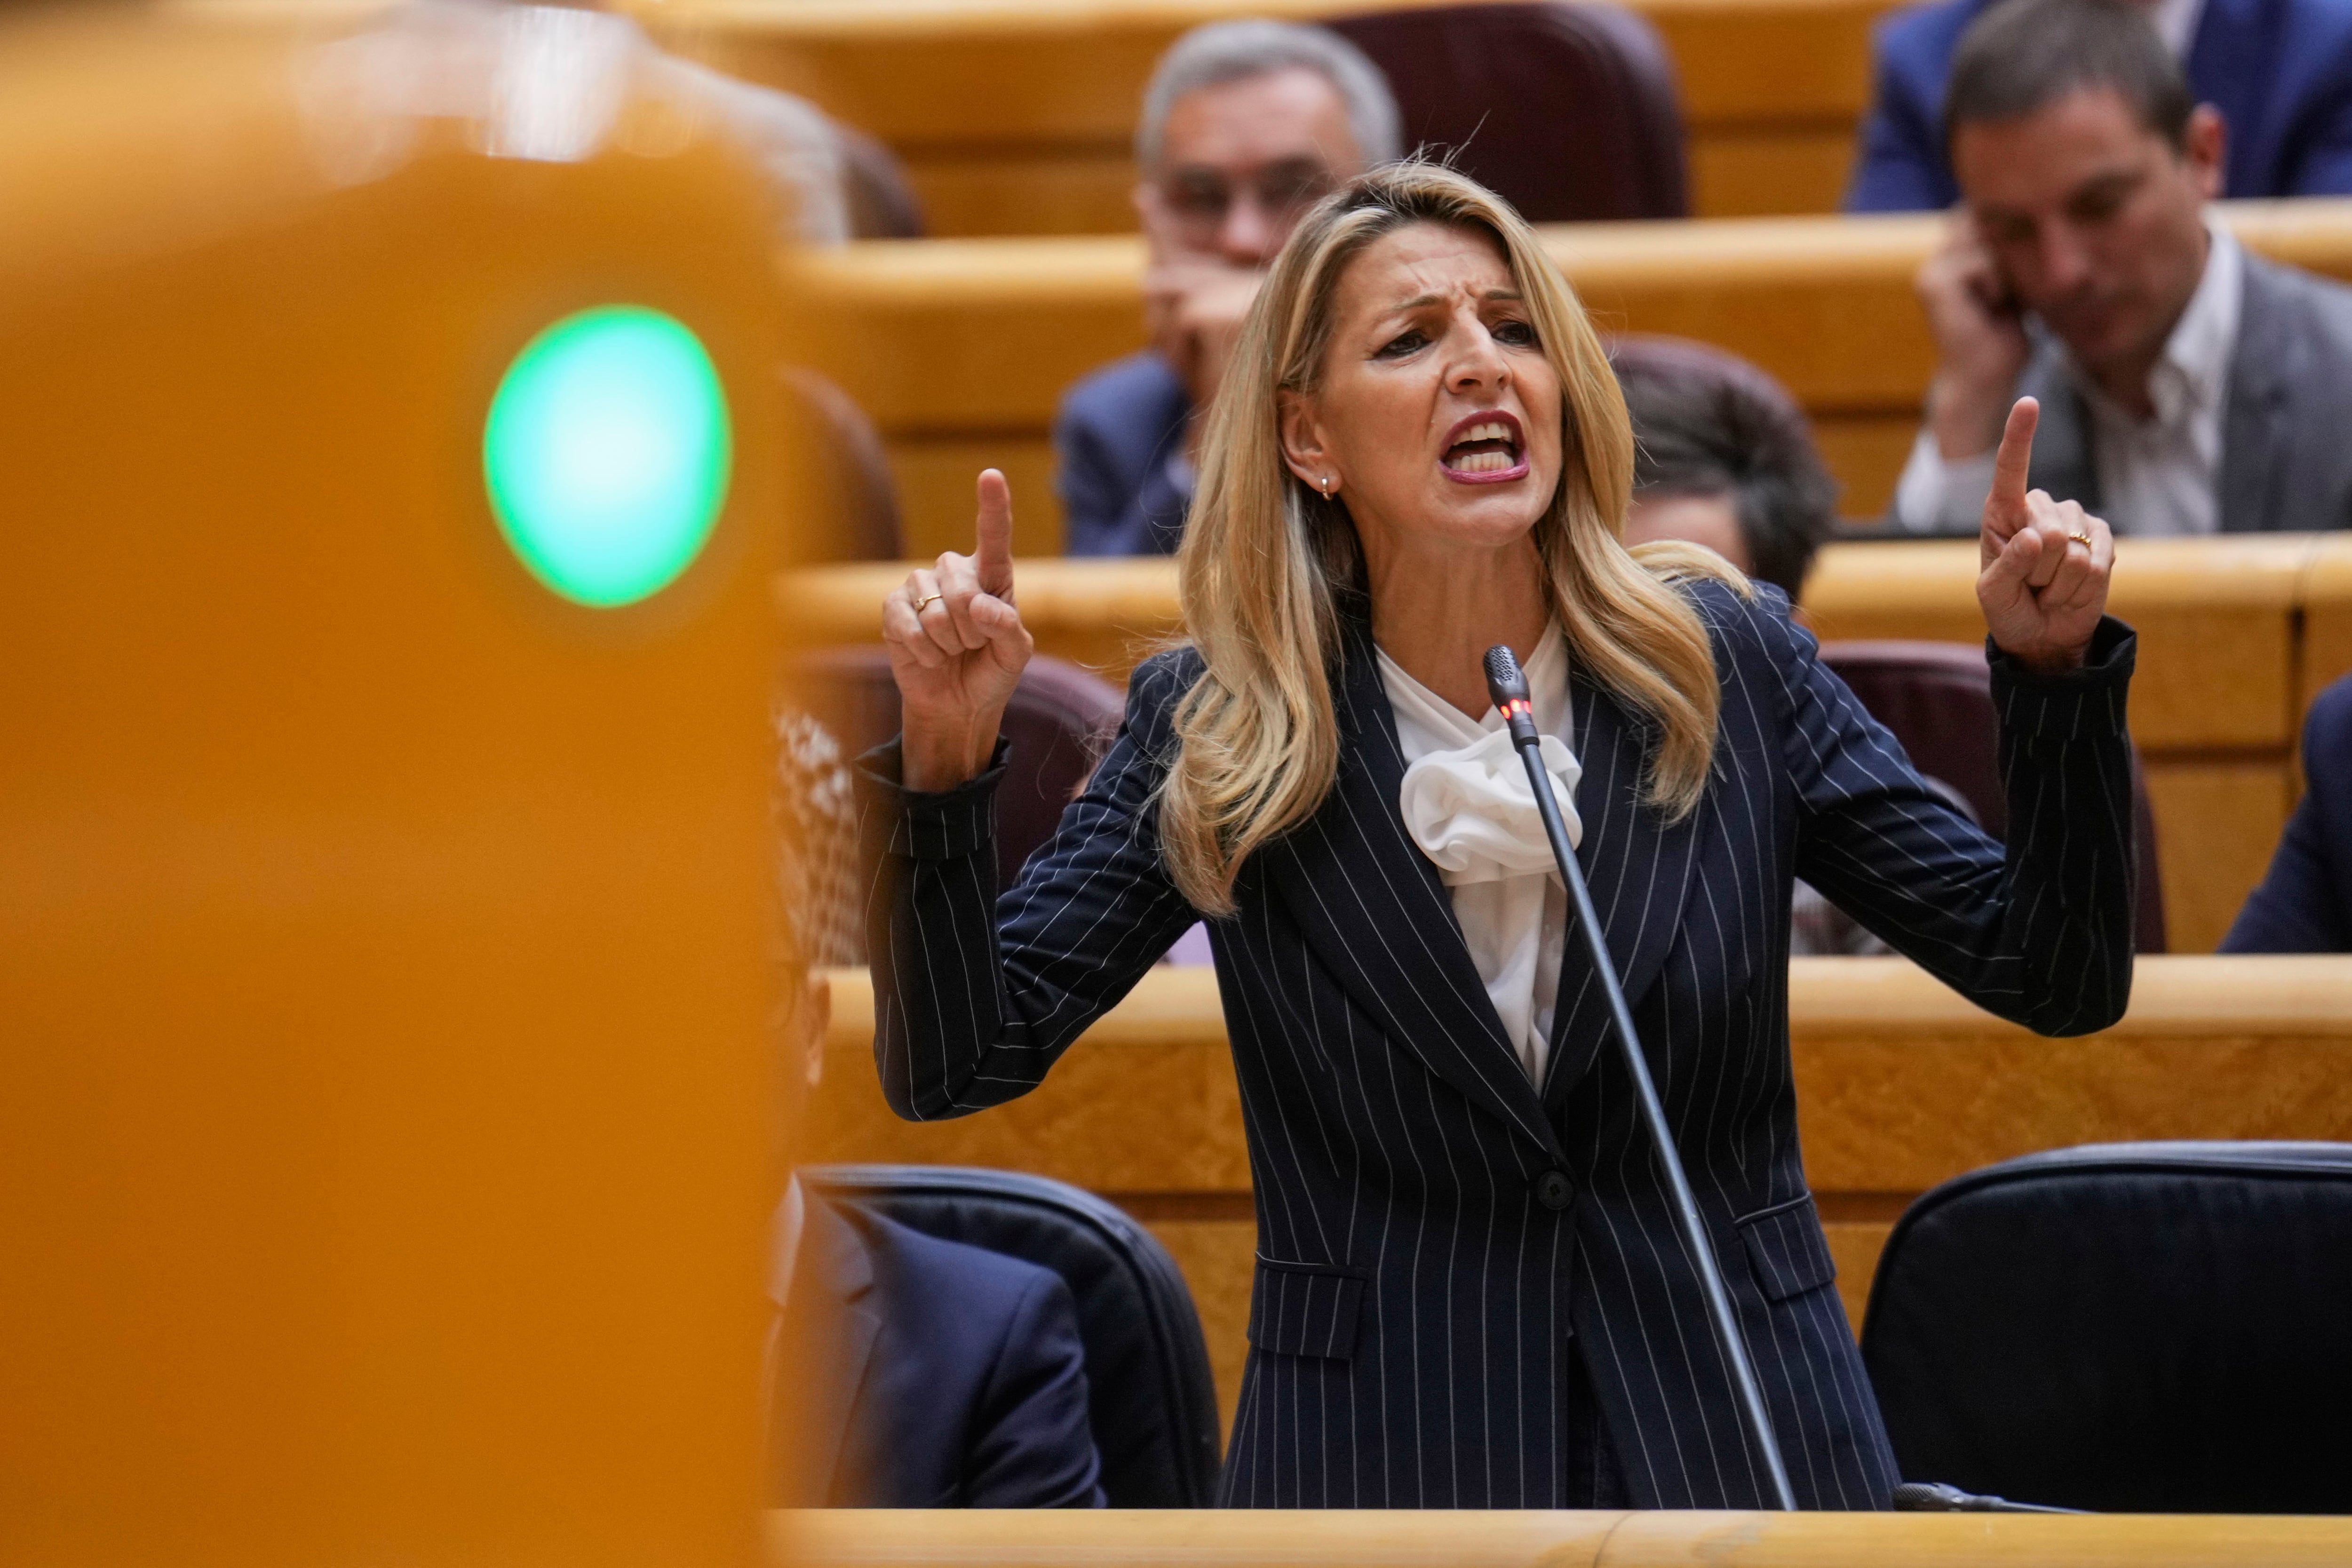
(2186,386)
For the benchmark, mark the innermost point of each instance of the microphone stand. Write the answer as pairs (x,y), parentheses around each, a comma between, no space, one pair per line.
(1508,687)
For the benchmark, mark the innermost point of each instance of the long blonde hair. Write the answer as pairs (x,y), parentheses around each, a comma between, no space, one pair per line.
(1266,557)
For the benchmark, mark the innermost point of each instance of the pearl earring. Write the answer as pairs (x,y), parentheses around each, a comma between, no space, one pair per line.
(1326,484)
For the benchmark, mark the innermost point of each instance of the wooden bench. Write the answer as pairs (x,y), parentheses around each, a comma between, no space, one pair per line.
(961,350)
(1018,116)
(2236,635)
(1901,1085)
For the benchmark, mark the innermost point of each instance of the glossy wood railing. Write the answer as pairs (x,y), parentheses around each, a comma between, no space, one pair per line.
(1268,1539)
(962,349)
(1900,1085)
(1018,116)
(2236,636)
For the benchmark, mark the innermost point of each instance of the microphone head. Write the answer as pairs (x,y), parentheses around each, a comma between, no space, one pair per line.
(1505,682)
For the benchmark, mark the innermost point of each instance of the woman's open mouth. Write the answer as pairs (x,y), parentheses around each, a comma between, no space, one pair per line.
(1485,449)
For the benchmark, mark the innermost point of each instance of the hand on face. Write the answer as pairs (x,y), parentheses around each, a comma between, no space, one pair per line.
(1195,310)
(1437,416)
(2045,563)
(1980,341)
(1240,162)
(956,650)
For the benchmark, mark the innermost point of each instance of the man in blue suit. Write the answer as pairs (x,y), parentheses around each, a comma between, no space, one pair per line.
(904,1371)
(2279,71)
(1245,125)
(924,1374)
(2305,902)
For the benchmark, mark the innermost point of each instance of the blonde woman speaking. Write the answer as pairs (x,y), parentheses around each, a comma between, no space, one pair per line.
(1471,1292)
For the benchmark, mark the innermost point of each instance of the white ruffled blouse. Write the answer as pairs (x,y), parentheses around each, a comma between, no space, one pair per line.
(1466,803)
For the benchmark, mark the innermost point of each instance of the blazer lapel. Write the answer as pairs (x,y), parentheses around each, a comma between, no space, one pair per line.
(830,1328)
(1639,872)
(2267,362)
(1371,905)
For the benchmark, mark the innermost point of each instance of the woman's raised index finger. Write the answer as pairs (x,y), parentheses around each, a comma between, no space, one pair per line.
(993,560)
(2011,464)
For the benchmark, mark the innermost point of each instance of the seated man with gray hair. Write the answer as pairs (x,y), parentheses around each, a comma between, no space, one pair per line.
(1245,125)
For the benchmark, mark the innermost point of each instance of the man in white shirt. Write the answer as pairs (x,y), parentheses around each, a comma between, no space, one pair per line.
(2186,387)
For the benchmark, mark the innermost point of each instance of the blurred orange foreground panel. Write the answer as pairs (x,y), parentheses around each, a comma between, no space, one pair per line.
(384,874)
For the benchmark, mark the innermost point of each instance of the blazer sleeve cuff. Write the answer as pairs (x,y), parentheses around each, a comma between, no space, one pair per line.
(2106,667)
(931,824)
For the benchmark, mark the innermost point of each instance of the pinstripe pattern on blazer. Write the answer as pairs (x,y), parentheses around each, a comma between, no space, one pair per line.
(1417,1301)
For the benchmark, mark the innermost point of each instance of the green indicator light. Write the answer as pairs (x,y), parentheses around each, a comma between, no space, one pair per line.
(606,452)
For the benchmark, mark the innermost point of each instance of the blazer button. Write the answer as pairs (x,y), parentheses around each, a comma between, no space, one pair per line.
(1554,1190)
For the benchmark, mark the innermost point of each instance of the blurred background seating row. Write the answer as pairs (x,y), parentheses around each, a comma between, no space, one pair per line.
(1016,118)
(959,352)
(1901,1085)
(2236,637)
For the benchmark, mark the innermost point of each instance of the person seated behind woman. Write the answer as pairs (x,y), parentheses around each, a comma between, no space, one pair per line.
(1470,1291)
(1722,458)
(903,1370)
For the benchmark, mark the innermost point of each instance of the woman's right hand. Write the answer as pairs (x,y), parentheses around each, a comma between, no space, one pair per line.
(956,648)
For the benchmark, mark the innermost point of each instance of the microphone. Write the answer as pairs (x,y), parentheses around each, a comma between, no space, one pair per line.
(1507,685)
(1935,1497)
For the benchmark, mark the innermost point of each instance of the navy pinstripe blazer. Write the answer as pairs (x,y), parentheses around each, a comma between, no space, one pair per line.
(1438,1236)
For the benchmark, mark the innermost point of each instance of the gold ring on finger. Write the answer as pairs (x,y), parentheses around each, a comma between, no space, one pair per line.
(2081,539)
(927,598)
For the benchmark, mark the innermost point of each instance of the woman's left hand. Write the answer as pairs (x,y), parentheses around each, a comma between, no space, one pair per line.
(2043,563)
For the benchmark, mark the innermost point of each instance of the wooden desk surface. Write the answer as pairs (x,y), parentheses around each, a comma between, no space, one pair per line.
(1265,1538)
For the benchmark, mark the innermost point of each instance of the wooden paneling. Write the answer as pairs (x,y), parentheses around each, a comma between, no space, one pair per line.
(1146,1103)
(2217,670)
(2326,594)
(2225,668)
(1901,1085)
(1265,1538)
(1219,1258)
(936,502)
(2216,619)
(2217,824)
(1745,63)
(1068,191)
(1865,452)
(1016,117)
(1104,614)
(1762,174)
